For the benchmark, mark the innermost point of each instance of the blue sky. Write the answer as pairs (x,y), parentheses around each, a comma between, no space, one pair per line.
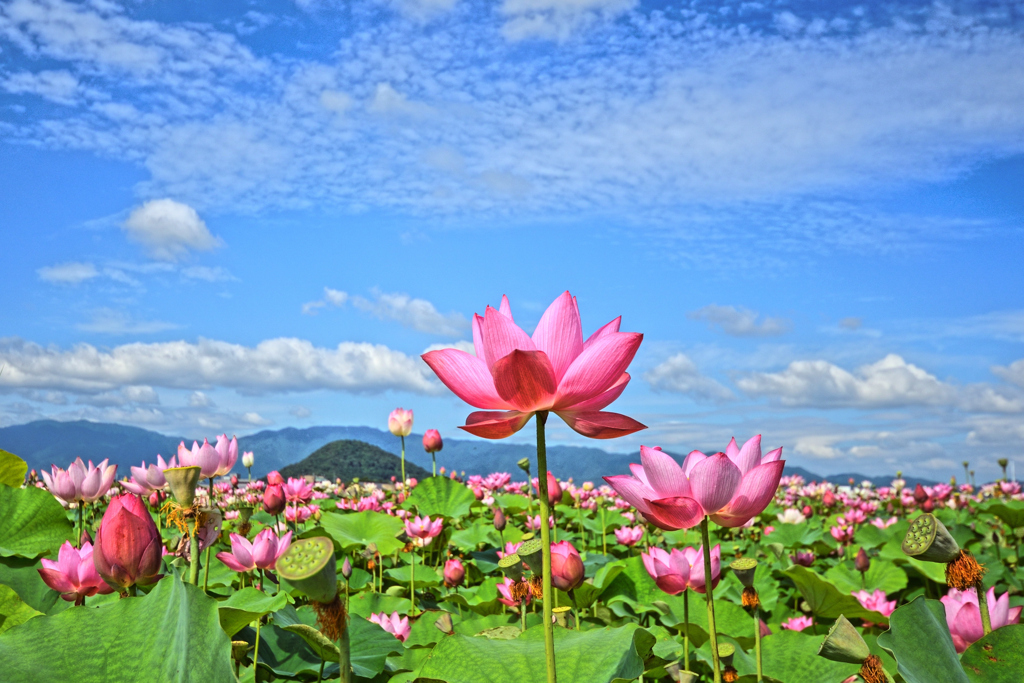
(231,216)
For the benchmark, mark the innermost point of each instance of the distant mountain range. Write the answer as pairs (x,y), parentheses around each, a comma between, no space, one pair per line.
(47,442)
(347,459)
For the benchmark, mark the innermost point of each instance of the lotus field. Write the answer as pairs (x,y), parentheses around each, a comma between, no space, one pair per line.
(715,567)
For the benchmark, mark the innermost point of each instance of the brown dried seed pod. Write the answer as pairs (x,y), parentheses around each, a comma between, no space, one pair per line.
(871,670)
(750,597)
(964,572)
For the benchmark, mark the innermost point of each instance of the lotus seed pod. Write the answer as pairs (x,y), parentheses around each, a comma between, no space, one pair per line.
(680,675)
(531,552)
(183,481)
(928,540)
(309,565)
(843,643)
(562,616)
(524,465)
(526,537)
(511,566)
(744,568)
(244,513)
(238,650)
(725,652)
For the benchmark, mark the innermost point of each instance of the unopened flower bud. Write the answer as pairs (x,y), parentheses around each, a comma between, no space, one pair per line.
(346,569)
(499,519)
(862,562)
(920,495)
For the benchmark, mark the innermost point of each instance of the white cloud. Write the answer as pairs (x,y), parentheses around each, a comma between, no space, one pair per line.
(57,86)
(332,297)
(255,419)
(109,321)
(851,323)
(198,399)
(680,374)
(301,412)
(461,345)
(141,395)
(557,19)
(284,364)
(1012,373)
(418,314)
(739,322)
(389,102)
(72,273)
(208,273)
(169,230)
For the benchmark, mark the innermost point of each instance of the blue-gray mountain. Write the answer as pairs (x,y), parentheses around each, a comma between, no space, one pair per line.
(47,442)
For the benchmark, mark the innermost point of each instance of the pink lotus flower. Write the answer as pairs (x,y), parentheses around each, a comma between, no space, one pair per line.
(74,575)
(533,523)
(671,571)
(883,523)
(397,626)
(227,453)
(262,553)
(509,549)
(454,572)
(297,490)
(298,514)
(842,534)
(513,375)
(797,623)
(505,591)
(695,558)
(421,530)
(875,601)
(964,618)
(629,535)
(147,479)
(128,545)
(432,442)
(205,457)
(80,482)
(273,499)
(804,559)
(400,422)
(566,566)
(730,487)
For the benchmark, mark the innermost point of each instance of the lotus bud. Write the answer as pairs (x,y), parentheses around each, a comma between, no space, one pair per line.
(309,565)
(183,481)
(511,566)
(862,562)
(928,540)
(524,465)
(346,569)
(432,441)
(744,568)
(928,506)
(532,553)
(247,459)
(808,511)
(844,643)
(567,571)
(454,572)
(499,519)
(919,494)
(274,500)
(828,499)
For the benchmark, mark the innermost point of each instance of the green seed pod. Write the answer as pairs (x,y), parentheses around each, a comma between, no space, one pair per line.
(244,513)
(928,540)
(526,537)
(511,566)
(843,643)
(524,465)
(183,481)
(531,552)
(309,565)
(725,653)
(744,568)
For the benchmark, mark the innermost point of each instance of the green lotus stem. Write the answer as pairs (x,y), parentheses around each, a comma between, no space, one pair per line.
(81,522)
(344,657)
(757,642)
(522,613)
(210,480)
(686,633)
(433,462)
(709,592)
(545,539)
(193,555)
(256,652)
(412,587)
(604,532)
(132,591)
(320,675)
(206,569)
(403,462)
(986,621)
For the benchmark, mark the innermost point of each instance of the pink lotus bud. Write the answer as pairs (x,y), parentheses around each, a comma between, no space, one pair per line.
(273,499)
(400,422)
(808,511)
(828,499)
(566,566)
(928,505)
(274,477)
(454,572)
(554,489)
(128,545)
(499,519)
(862,562)
(346,569)
(920,495)
(432,441)
(154,499)
(234,480)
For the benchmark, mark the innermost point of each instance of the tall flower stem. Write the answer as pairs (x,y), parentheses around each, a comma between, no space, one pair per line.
(545,540)
(256,652)
(433,462)
(81,521)
(412,586)
(709,591)
(344,656)
(403,462)
(604,531)
(686,633)
(206,569)
(757,641)
(193,554)
(986,621)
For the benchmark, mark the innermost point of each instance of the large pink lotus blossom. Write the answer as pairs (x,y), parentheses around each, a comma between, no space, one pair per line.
(670,570)
(261,553)
(147,479)
(514,375)
(227,454)
(80,482)
(875,601)
(567,571)
(964,618)
(422,530)
(205,457)
(74,575)
(395,625)
(296,490)
(730,487)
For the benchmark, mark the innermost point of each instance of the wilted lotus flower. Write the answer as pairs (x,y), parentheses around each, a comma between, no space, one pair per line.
(227,454)
(730,487)
(505,589)
(80,482)
(74,575)
(400,422)
(128,545)
(395,625)
(513,375)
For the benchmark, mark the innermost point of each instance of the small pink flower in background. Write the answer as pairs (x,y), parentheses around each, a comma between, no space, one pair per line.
(842,534)
(454,572)
(1009,488)
(397,626)
(533,523)
(297,514)
(629,535)
(875,601)
(768,530)
(231,514)
(74,575)
(797,623)
(505,590)
(80,482)
(509,549)
(514,375)
(432,442)
(695,558)
(964,618)
(400,422)
(883,523)
(296,490)
(804,559)
(146,479)
(670,570)
(422,530)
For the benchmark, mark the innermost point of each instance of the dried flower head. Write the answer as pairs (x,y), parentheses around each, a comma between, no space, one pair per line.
(964,572)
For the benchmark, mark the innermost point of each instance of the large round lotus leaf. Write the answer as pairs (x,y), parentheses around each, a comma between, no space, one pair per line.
(13,611)
(363,528)
(881,575)
(919,639)
(440,496)
(172,635)
(32,522)
(997,657)
(246,606)
(827,601)
(1011,512)
(603,654)
(12,469)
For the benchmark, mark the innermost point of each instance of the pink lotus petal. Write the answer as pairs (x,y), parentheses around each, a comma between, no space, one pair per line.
(638,472)
(604,330)
(500,337)
(714,481)
(478,338)
(749,456)
(755,491)
(559,334)
(599,424)
(674,513)
(663,473)
(603,400)
(467,376)
(632,490)
(57,580)
(772,456)
(491,424)
(732,450)
(691,460)
(506,308)
(233,564)
(968,622)
(525,379)
(598,368)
